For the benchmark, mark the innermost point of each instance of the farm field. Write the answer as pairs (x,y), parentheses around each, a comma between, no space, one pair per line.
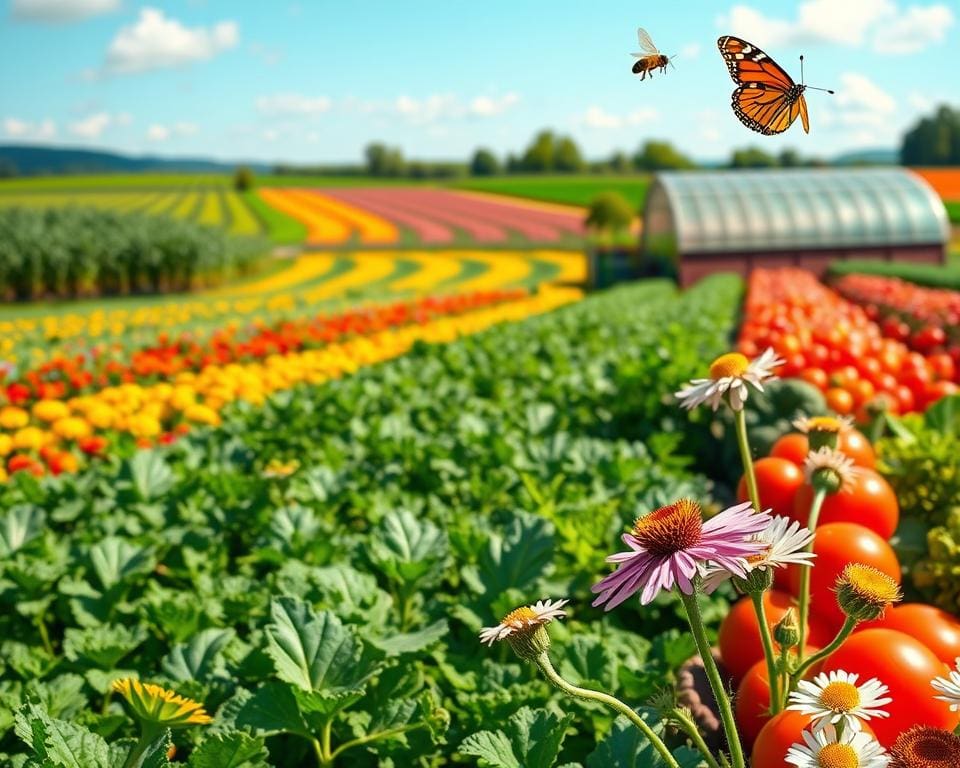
(576,190)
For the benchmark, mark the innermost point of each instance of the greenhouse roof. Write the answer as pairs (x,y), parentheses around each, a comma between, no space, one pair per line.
(803,208)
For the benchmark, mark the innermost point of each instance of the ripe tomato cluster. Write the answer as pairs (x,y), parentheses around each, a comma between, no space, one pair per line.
(834,344)
(906,649)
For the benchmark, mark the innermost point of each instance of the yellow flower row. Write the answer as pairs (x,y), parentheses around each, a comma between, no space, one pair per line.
(199,397)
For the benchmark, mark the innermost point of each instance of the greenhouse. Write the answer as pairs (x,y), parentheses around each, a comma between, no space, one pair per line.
(700,223)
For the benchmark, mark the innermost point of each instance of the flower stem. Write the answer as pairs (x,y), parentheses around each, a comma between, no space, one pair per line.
(784,676)
(689,727)
(812,520)
(148,734)
(820,655)
(543,661)
(740,419)
(375,737)
(768,652)
(713,675)
(44,635)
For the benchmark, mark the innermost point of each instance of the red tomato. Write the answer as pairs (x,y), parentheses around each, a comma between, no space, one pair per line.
(943,366)
(871,502)
(752,703)
(839,400)
(938,389)
(855,444)
(815,376)
(777,483)
(904,665)
(836,545)
(936,629)
(793,447)
(906,398)
(844,376)
(862,390)
(739,636)
(779,734)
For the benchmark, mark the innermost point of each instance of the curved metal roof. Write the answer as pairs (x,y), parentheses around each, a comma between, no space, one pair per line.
(737,211)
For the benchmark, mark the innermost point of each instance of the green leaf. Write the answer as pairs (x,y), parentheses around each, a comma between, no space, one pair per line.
(518,557)
(150,474)
(397,644)
(58,742)
(115,560)
(409,550)
(532,739)
(587,660)
(156,754)
(102,646)
(20,525)
(272,708)
(944,415)
(231,750)
(199,659)
(626,747)
(314,651)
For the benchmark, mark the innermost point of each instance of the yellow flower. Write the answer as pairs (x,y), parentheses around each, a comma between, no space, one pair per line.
(100,415)
(29,438)
(6,444)
(154,704)
(50,410)
(202,414)
(143,425)
(71,428)
(3,475)
(12,417)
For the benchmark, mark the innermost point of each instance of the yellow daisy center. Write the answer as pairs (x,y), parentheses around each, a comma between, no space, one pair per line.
(840,696)
(731,364)
(670,529)
(824,424)
(870,585)
(838,756)
(520,617)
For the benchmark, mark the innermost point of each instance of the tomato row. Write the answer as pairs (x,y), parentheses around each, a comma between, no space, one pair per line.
(906,649)
(833,344)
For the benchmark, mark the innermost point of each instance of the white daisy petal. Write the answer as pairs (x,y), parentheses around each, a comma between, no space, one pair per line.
(730,375)
(835,698)
(866,749)
(949,687)
(542,612)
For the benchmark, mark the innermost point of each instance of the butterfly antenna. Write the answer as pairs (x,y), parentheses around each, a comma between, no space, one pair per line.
(811,87)
(670,60)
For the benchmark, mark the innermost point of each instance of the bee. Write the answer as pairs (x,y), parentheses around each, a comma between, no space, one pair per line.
(649,59)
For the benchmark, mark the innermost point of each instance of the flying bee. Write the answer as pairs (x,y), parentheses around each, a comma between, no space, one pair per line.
(649,59)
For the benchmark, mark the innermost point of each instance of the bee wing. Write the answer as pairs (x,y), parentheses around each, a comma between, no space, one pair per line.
(646,43)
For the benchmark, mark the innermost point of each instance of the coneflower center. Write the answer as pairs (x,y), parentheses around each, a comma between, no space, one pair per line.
(670,529)
(840,696)
(925,747)
(838,756)
(731,364)
(520,617)
(871,584)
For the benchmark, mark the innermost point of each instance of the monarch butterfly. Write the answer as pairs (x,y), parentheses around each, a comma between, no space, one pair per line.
(766,100)
(649,58)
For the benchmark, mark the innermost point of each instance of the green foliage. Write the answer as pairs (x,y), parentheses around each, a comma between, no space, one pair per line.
(565,189)
(934,140)
(531,739)
(548,152)
(661,156)
(346,599)
(752,157)
(932,275)
(383,160)
(243,179)
(609,213)
(67,252)
(484,163)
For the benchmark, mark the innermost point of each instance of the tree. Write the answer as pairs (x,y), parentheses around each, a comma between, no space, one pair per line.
(619,162)
(752,157)
(242,179)
(934,140)
(383,160)
(609,212)
(484,163)
(539,156)
(660,156)
(566,156)
(790,158)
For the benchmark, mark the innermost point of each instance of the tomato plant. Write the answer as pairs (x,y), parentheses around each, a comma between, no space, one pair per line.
(780,733)
(906,667)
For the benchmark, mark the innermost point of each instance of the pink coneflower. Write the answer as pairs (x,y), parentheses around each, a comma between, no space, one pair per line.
(671,546)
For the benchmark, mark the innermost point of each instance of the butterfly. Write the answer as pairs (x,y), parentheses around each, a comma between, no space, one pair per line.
(766,100)
(649,58)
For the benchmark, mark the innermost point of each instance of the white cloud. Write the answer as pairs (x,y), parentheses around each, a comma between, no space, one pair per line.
(92,126)
(156,42)
(861,102)
(490,106)
(270,135)
(292,104)
(24,129)
(850,23)
(914,30)
(60,10)
(157,132)
(690,51)
(597,117)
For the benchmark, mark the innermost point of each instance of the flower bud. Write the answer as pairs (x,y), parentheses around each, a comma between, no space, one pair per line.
(531,643)
(864,592)
(787,631)
(756,581)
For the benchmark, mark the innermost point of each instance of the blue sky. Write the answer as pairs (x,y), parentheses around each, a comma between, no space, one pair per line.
(316,81)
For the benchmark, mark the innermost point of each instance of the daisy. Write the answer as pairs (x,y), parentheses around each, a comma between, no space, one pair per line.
(153,704)
(822,749)
(832,424)
(836,698)
(672,546)
(830,463)
(784,542)
(524,620)
(949,687)
(925,747)
(729,375)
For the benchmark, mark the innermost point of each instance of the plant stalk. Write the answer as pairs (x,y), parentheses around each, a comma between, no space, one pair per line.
(713,675)
(740,419)
(820,655)
(768,652)
(819,495)
(543,661)
(690,728)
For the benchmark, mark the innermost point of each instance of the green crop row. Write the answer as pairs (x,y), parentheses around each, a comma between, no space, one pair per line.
(316,571)
(931,275)
(70,252)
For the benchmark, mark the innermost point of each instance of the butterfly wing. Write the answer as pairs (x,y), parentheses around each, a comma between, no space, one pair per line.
(646,43)
(760,102)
